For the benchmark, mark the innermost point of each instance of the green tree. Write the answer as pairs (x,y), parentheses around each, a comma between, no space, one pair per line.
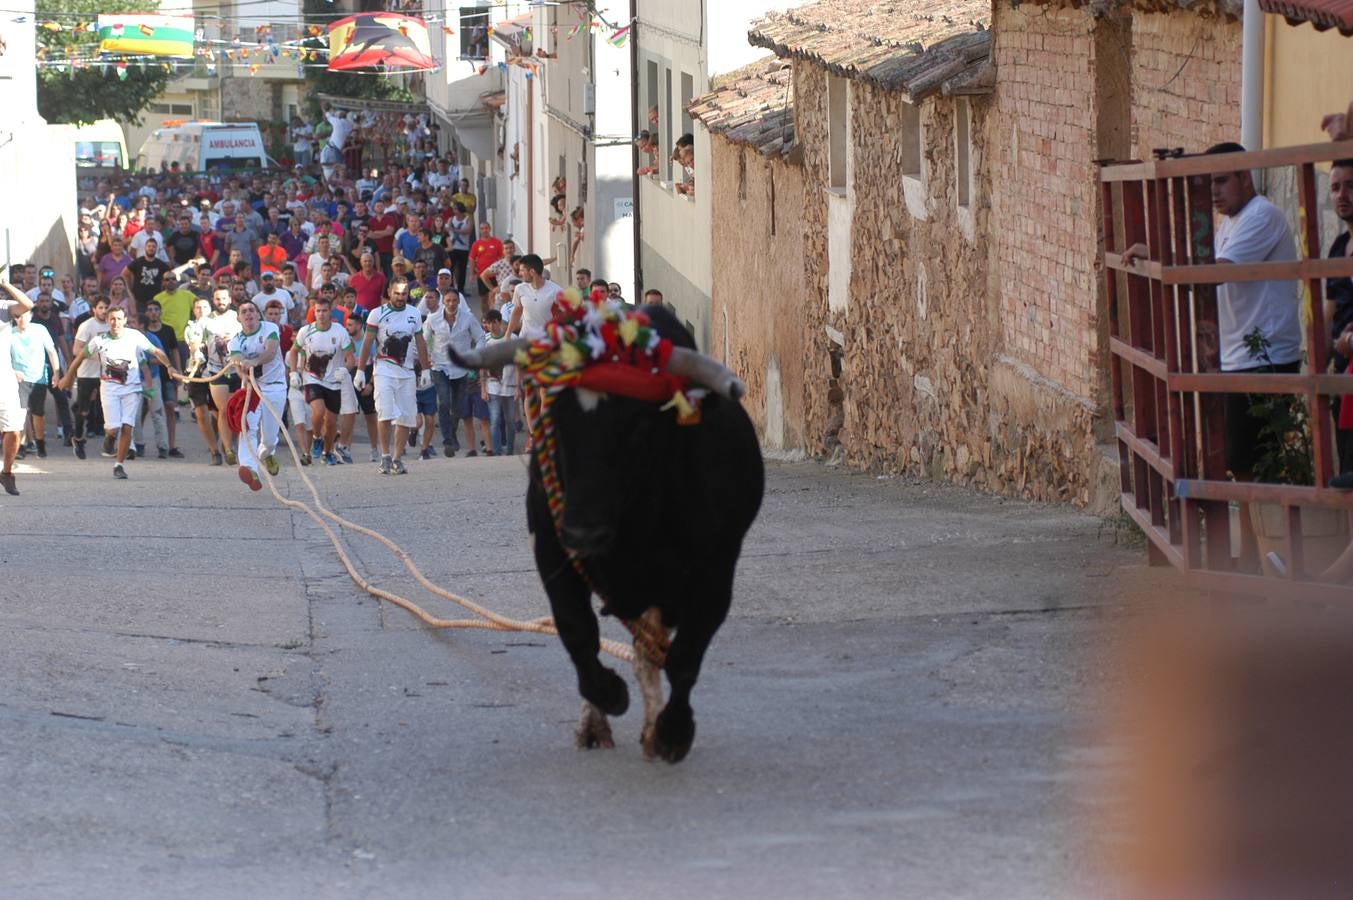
(84,95)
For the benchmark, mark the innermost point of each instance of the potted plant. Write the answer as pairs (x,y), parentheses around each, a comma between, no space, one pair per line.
(1283,456)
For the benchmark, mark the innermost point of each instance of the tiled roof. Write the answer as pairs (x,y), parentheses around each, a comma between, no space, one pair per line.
(752,106)
(1322,14)
(902,45)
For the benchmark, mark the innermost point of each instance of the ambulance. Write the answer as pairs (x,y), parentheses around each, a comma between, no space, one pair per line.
(204,147)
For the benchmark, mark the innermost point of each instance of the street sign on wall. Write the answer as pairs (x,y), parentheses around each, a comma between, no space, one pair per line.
(624,208)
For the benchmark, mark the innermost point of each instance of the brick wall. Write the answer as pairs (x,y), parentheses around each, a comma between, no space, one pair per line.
(1045,208)
(759,300)
(1185,81)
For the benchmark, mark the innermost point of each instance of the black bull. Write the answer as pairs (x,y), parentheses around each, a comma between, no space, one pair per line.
(656,512)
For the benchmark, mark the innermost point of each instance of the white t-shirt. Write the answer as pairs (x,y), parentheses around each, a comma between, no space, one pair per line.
(252,346)
(9,385)
(89,329)
(58,295)
(321,353)
(537,306)
(342,128)
(119,358)
(1258,233)
(217,334)
(139,244)
(261,299)
(394,331)
(505,386)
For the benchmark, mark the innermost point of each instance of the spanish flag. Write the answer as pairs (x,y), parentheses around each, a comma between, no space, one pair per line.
(155,35)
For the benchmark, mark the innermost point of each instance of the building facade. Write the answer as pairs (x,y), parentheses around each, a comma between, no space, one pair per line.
(682,46)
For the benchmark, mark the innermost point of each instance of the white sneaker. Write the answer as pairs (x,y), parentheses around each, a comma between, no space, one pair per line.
(375,455)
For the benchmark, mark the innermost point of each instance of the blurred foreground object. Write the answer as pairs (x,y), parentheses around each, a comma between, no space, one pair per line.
(1240,775)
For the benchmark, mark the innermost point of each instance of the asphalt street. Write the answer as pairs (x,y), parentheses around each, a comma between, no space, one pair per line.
(195,701)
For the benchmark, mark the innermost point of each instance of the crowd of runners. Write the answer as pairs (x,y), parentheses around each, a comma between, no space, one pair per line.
(340,293)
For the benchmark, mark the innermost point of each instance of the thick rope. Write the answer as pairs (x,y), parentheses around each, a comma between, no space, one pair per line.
(489,620)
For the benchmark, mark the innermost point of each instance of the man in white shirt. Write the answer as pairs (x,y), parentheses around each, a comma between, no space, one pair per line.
(533,300)
(269,291)
(121,355)
(321,349)
(1262,313)
(393,334)
(451,325)
(257,349)
(11,409)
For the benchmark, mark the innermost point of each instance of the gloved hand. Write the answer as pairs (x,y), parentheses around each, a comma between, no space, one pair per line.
(148,392)
(359,380)
(424,380)
(295,380)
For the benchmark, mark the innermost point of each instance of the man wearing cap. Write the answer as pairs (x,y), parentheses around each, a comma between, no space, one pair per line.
(268,291)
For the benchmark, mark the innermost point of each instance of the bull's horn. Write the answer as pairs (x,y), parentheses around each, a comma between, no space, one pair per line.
(706,372)
(502,353)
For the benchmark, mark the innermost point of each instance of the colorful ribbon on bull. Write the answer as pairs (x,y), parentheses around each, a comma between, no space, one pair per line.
(604,347)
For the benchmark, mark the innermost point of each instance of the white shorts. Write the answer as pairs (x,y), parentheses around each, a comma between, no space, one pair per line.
(348,403)
(121,405)
(12,417)
(397,400)
(300,410)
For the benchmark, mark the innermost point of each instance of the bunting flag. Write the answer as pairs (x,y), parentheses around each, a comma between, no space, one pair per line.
(620,37)
(379,39)
(154,35)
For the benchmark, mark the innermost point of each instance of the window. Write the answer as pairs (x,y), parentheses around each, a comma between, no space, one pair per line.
(910,139)
(668,138)
(838,96)
(474,33)
(962,152)
(651,110)
(687,94)
(771,172)
(172,109)
(742,175)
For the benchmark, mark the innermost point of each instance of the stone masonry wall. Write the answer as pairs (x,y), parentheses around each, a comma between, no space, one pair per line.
(822,413)
(758,300)
(1185,81)
(921,326)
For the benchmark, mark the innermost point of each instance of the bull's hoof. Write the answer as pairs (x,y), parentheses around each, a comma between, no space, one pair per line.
(607,693)
(673,735)
(593,730)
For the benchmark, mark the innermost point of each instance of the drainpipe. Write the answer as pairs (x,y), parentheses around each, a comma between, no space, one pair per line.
(634,150)
(1252,77)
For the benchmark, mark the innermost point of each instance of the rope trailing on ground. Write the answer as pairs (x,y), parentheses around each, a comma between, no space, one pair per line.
(488,620)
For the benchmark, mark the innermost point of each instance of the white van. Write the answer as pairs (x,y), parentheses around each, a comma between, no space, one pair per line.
(203,147)
(100,148)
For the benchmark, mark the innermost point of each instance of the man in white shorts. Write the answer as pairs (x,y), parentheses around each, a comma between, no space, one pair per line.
(11,410)
(217,334)
(121,354)
(394,333)
(258,349)
(353,400)
(320,352)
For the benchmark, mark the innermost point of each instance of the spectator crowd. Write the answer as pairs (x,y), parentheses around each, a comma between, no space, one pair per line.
(343,289)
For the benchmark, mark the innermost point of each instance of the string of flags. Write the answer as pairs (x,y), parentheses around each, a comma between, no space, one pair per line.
(360,42)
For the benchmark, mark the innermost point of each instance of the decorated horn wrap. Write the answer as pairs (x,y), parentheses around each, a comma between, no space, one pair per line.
(706,372)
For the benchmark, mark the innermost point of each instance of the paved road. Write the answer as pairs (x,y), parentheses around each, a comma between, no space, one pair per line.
(194,700)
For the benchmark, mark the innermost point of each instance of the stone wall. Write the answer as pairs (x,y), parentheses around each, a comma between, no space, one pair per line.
(759,299)
(1185,81)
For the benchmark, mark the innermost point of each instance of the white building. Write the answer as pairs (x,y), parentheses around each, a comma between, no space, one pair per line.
(464,95)
(37,160)
(682,45)
(518,170)
(583,135)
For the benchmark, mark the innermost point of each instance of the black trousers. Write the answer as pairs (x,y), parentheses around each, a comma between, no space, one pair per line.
(88,408)
(460,265)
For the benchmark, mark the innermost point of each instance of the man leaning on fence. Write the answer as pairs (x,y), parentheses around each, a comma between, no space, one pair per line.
(1259,321)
